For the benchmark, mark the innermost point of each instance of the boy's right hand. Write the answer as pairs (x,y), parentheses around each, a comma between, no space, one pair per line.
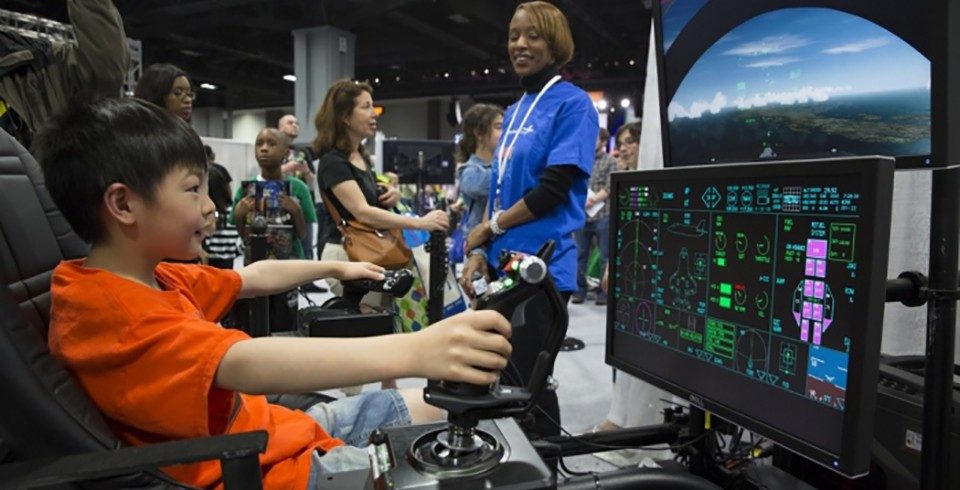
(471,347)
(242,208)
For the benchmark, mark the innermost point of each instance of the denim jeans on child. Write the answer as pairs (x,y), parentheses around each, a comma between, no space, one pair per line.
(353,419)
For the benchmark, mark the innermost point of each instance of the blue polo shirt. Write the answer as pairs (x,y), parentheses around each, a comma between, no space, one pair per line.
(561,130)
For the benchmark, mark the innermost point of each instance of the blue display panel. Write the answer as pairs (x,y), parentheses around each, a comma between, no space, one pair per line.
(782,82)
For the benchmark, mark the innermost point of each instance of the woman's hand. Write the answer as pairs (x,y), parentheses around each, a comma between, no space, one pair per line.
(471,347)
(390,197)
(346,271)
(479,236)
(434,220)
(474,263)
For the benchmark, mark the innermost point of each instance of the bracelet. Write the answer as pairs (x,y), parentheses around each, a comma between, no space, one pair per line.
(481,252)
(494,226)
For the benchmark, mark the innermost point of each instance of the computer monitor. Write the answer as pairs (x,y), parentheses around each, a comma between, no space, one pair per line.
(404,156)
(756,292)
(783,79)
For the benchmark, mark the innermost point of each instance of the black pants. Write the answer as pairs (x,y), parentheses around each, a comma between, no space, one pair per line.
(531,323)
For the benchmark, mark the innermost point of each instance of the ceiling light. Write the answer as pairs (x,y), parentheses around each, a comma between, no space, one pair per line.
(376,80)
(446,74)
(602,104)
(290,78)
(632,62)
(625,103)
(208,86)
(486,71)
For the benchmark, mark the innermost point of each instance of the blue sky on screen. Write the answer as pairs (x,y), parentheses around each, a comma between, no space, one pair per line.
(789,56)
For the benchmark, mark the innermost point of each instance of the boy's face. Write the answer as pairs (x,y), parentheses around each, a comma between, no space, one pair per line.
(173,225)
(271,149)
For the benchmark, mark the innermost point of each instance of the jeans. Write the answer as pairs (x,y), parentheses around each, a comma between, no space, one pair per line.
(601,230)
(353,419)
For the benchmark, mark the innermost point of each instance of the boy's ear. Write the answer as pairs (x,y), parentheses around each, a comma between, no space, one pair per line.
(118,200)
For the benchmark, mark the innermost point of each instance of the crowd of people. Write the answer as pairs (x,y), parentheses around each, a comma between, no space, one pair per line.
(136,182)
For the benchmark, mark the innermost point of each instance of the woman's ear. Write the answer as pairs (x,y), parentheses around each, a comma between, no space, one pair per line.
(120,202)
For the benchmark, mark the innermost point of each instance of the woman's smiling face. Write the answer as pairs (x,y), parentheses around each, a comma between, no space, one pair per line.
(528,50)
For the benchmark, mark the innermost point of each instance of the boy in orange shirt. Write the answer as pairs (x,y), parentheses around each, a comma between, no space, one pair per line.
(140,334)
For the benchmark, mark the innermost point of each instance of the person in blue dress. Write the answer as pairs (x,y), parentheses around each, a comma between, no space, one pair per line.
(539,183)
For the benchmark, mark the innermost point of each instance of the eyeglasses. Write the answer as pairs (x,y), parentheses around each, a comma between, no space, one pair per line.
(182,94)
(626,141)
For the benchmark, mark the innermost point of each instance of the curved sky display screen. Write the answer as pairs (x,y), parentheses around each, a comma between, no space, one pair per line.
(794,82)
(756,291)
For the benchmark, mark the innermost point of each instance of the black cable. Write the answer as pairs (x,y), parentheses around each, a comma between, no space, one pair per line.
(563,466)
(614,446)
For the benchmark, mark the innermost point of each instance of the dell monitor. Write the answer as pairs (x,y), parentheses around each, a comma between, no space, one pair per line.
(429,160)
(785,79)
(756,292)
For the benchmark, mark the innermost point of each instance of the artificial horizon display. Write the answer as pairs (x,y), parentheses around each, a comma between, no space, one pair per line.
(791,83)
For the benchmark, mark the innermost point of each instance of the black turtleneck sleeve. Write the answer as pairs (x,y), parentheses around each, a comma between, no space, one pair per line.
(553,189)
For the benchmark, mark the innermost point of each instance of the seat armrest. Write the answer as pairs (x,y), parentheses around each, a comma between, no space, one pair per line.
(237,454)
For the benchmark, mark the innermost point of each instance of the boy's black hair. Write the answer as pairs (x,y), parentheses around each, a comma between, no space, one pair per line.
(95,144)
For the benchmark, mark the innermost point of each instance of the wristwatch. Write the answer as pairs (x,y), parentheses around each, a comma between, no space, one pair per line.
(494,226)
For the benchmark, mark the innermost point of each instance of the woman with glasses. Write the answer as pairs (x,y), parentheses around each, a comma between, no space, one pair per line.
(167,86)
(628,146)
(539,184)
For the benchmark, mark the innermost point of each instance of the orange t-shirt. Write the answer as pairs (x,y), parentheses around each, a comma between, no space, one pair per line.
(148,359)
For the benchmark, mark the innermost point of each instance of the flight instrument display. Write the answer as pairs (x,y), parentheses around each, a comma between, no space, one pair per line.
(756,291)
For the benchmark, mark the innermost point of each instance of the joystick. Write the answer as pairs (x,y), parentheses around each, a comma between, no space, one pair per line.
(462,449)
(395,283)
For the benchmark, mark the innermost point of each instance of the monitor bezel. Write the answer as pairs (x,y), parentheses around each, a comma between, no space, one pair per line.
(875,173)
(447,176)
(890,14)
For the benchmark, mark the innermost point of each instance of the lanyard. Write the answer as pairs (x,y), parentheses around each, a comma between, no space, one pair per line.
(503,153)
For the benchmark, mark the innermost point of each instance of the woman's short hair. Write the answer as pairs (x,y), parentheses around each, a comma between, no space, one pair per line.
(156,81)
(478,118)
(335,109)
(552,25)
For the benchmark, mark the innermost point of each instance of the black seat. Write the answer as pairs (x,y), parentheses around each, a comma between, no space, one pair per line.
(45,417)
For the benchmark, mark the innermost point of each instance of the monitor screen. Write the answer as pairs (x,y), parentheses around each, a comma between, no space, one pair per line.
(404,156)
(770,80)
(756,291)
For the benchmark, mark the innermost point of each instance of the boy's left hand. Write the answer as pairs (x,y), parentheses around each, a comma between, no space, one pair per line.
(346,271)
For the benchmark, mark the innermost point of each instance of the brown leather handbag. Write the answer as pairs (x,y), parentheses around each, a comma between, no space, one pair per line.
(363,243)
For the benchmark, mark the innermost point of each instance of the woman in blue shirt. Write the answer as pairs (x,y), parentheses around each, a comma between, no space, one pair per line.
(539,182)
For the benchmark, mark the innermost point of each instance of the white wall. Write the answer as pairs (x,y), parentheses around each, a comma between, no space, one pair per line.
(236,156)
(215,122)
(246,124)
